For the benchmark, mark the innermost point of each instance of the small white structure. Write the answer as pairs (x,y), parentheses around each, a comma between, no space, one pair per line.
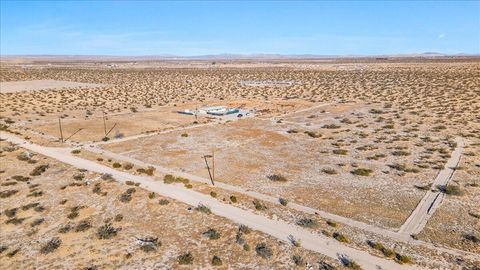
(212,109)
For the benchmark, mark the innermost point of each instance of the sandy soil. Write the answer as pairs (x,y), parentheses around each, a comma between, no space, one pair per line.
(19,86)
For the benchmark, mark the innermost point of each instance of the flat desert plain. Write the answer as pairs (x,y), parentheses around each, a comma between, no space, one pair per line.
(340,164)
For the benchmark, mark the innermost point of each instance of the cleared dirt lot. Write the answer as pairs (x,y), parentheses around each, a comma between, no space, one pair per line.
(19,86)
(247,152)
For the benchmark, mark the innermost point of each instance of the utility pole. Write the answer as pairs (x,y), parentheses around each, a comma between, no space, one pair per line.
(60,126)
(104,124)
(208,168)
(213,164)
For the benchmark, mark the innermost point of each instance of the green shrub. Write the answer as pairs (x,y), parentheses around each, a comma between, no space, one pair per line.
(211,234)
(259,205)
(51,245)
(307,222)
(75,151)
(163,202)
(83,225)
(216,261)
(7,193)
(39,170)
(362,172)
(106,231)
(151,195)
(331,223)
(128,166)
(233,199)
(37,222)
(298,260)
(277,178)
(213,194)
(263,251)
(185,259)
(116,165)
(451,190)
(340,151)
(402,259)
(283,201)
(329,171)
(340,237)
(203,208)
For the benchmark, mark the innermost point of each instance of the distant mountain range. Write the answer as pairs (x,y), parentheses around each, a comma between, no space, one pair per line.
(228,56)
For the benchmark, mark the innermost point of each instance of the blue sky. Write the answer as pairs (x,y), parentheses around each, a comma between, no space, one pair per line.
(199,28)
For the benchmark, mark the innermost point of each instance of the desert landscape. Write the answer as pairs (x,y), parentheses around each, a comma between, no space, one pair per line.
(341,163)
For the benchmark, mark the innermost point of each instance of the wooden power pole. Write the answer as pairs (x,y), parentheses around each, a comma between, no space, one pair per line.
(213,164)
(60,126)
(104,124)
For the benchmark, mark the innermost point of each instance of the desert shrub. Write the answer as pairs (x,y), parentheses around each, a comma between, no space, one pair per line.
(3,248)
(297,260)
(20,178)
(213,194)
(306,222)
(6,184)
(83,225)
(184,134)
(188,185)
(7,193)
(246,247)
(151,195)
(127,195)
(106,231)
(163,202)
(116,165)
(331,126)
(186,258)
(39,170)
(39,209)
(75,151)
(400,153)
(128,166)
(451,190)
(277,178)
(149,244)
(14,221)
(211,234)
(13,253)
(263,251)
(331,223)
(216,261)
(340,151)
(233,199)
(362,172)
(244,229)
(129,183)
(65,229)
(259,205)
(425,187)
(118,218)
(29,206)
(283,201)
(313,134)
(79,176)
(402,259)
(23,157)
(74,212)
(51,245)
(329,171)
(107,177)
(472,237)
(37,222)
(340,237)
(11,212)
(203,208)
(149,171)
(295,242)
(35,193)
(292,131)
(168,179)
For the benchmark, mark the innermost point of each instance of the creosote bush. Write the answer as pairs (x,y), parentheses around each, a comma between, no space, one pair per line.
(263,251)
(362,172)
(185,259)
(51,245)
(277,178)
(106,231)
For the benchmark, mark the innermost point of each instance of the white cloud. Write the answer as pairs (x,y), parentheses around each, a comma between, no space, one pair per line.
(442,35)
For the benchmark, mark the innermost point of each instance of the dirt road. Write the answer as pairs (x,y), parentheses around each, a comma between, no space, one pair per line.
(276,228)
(433,198)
